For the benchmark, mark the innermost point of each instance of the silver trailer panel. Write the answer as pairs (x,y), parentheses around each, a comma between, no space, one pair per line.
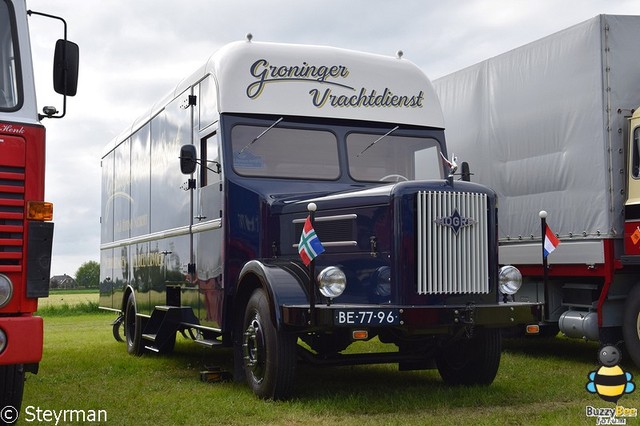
(544,126)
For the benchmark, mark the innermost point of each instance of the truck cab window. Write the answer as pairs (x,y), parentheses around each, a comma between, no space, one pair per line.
(393,158)
(635,167)
(285,152)
(8,72)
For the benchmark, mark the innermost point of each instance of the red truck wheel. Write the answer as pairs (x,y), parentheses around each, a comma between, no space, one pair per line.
(269,354)
(11,388)
(631,325)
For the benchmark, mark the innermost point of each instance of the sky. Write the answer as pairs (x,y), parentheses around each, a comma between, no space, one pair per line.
(134,52)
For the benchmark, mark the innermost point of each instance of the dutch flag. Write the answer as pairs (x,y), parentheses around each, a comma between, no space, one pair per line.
(310,246)
(550,241)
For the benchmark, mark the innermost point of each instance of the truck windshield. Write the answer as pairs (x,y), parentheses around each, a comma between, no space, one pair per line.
(393,158)
(8,72)
(285,152)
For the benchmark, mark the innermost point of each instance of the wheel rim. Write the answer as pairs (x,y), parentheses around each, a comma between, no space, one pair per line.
(638,326)
(254,349)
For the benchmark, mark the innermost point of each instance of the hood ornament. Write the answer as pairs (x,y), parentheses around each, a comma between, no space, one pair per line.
(452,164)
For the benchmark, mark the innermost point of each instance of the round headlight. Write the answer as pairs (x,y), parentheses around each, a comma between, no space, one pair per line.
(3,341)
(332,282)
(510,280)
(6,290)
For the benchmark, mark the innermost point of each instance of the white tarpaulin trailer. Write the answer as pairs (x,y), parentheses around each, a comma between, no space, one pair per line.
(544,126)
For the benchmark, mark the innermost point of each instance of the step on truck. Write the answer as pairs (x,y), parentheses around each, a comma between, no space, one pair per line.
(26,227)
(272,150)
(551,126)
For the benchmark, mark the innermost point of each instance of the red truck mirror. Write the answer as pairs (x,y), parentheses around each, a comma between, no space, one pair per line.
(65,67)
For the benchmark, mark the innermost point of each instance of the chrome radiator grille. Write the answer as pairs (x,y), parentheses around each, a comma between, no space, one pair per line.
(452,243)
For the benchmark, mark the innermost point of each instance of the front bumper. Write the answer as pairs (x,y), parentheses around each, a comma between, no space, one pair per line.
(24,339)
(416,319)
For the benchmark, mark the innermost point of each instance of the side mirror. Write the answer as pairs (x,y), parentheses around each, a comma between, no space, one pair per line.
(66,60)
(188,159)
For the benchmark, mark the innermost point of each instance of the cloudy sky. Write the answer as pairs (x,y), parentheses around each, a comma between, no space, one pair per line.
(133,52)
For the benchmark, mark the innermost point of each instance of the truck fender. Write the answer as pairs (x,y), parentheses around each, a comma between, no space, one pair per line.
(282,284)
(125,295)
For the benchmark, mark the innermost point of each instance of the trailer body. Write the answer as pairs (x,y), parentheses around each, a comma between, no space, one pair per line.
(547,126)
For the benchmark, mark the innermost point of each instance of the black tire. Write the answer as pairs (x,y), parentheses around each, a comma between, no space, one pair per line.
(472,361)
(11,389)
(269,355)
(631,325)
(133,328)
(548,331)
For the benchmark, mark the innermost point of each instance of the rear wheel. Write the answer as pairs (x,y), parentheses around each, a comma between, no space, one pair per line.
(11,388)
(631,325)
(473,361)
(269,355)
(133,328)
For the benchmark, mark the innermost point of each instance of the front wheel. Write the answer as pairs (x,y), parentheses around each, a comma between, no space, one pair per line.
(472,361)
(269,355)
(11,389)
(133,328)
(631,325)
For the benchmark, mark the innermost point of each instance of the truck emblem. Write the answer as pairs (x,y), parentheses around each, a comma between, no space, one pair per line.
(455,221)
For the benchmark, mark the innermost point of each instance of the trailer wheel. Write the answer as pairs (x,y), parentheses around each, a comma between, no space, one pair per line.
(133,328)
(473,361)
(631,325)
(269,355)
(11,388)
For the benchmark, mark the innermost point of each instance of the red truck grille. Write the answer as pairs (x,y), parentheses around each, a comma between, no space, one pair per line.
(11,218)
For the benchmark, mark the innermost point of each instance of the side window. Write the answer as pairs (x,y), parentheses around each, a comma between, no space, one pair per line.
(9,77)
(635,166)
(210,157)
(210,191)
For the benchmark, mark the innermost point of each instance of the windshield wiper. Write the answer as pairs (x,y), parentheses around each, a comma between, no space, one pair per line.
(260,135)
(378,140)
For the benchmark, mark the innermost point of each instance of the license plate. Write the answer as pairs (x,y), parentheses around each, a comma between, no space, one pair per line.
(371,317)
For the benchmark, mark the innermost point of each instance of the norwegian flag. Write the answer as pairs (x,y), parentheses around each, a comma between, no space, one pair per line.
(550,241)
(309,246)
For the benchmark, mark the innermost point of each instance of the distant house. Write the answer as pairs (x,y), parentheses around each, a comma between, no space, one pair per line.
(62,281)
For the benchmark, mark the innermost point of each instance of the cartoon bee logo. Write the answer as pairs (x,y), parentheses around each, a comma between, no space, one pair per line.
(610,381)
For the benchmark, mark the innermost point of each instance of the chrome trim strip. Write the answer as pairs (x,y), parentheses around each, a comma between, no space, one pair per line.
(169,233)
(336,244)
(329,218)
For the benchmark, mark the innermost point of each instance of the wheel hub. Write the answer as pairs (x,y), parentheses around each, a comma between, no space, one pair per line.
(253,347)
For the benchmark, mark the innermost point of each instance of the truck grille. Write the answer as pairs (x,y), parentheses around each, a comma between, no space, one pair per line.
(452,243)
(11,218)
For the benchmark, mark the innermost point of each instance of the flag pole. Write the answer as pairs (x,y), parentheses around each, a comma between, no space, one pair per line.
(312,207)
(545,275)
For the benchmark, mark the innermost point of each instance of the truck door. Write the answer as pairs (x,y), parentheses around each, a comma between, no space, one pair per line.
(632,205)
(208,231)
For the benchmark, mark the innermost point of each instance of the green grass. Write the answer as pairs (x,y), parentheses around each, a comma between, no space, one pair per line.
(539,382)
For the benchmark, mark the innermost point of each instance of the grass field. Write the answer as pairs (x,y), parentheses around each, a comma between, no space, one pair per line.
(84,368)
(67,297)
